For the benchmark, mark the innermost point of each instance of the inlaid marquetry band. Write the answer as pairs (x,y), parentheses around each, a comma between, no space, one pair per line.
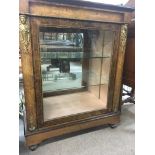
(24,34)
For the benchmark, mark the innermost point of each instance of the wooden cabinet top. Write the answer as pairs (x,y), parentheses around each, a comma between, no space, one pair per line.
(79,10)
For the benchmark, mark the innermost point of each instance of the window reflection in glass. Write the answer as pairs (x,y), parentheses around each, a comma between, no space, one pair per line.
(61,55)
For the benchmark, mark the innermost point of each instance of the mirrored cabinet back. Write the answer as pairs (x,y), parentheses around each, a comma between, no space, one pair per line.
(72,59)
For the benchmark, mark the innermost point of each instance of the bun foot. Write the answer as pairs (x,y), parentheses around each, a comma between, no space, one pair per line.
(33,147)
(113,125)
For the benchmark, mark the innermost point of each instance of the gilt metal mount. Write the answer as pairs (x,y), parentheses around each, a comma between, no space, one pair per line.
(123,37)
(24,33)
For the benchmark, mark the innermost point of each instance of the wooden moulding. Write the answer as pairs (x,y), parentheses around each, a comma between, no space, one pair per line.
(38,137)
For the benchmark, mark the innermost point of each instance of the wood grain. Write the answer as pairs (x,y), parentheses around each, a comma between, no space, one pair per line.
(29,90)
(73,13)
(39,137)
(119,71)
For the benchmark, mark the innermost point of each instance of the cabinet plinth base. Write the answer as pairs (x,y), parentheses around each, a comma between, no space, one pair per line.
(35,138)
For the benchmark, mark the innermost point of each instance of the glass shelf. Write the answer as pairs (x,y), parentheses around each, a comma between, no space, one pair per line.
(71,55)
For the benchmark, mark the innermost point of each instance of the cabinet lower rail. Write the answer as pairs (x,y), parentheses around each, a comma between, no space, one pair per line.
(38,137)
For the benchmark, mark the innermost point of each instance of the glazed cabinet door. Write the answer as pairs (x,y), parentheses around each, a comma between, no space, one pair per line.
(77,69)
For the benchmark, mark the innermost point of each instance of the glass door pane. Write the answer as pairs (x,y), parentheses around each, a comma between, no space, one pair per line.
(75,66)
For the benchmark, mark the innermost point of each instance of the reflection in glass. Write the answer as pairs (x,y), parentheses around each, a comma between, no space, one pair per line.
(75,68)
(61,60)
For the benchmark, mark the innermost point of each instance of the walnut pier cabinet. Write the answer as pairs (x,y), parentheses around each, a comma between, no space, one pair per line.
(72,60)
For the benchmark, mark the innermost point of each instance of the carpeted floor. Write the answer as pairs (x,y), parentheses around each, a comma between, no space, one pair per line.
(98,141)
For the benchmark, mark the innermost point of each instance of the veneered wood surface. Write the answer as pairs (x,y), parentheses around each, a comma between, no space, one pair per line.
(29,91)
(113,66)
(129,62)
(129,65)
(28,79)
(37,71)
(39,137)
(73,13)
(119,70)
(23,6)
